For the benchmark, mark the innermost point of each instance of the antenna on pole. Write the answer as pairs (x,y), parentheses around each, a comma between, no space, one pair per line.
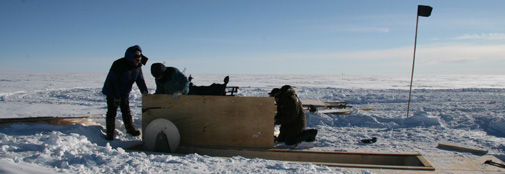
(424,11)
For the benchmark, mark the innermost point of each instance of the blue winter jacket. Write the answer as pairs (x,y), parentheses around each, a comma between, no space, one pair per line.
(173,81)
(123,74)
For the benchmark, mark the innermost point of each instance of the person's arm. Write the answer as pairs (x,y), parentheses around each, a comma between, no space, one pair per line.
(114,79)
(141,83)
(181,81)
(289,110)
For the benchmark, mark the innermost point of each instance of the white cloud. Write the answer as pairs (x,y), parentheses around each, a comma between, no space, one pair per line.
(483,36)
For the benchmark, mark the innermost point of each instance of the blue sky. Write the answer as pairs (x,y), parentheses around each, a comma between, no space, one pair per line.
(256,36)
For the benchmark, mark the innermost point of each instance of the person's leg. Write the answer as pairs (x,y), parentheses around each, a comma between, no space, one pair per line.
(110,118)
(292,138)
(281,137)
(127,118)
(306,135)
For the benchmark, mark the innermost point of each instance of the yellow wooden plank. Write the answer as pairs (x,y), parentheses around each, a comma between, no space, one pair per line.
(313,102)
(462,148)
(215,121)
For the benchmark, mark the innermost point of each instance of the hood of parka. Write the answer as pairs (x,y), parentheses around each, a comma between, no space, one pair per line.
(286,90)
(133,52)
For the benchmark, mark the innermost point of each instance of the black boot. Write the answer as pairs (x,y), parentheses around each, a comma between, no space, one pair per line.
(110,125)
(128,124)
(312,135)
(110,118)
(127,118)
(133,132)
(307,135)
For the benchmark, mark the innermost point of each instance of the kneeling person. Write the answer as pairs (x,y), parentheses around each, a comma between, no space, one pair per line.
(292,119)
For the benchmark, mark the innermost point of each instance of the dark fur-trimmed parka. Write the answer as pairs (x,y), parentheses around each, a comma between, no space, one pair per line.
(290,112)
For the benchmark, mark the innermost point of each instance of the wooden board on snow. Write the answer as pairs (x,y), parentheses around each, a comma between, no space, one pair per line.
(335,111)
(319,103)
(404,161)
(331,111)
(215,121)
(56,120)
(462,148)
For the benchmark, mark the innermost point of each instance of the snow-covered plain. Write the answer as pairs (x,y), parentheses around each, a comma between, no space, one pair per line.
(465,110)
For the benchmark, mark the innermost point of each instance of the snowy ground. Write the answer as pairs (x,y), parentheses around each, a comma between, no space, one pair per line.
(464,110)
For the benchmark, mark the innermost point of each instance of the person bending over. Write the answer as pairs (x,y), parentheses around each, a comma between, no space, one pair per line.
(169,80)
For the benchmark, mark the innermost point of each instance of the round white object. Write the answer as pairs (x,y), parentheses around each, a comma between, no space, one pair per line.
(161,135)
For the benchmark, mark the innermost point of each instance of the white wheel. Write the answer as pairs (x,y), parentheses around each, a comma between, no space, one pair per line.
(161,135)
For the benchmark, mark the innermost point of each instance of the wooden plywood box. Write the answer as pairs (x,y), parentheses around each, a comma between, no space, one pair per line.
(215,121)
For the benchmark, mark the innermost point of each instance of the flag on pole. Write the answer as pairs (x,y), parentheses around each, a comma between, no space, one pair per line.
(423,10)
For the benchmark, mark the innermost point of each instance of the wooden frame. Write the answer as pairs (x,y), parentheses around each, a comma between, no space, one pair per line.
(406,161)
(244,126)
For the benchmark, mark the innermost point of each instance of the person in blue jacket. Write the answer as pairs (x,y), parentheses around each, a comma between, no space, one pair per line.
(118,84)
(169,80)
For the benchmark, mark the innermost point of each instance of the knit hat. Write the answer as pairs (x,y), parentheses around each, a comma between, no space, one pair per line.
(157,69)
(286,89)
(274,91)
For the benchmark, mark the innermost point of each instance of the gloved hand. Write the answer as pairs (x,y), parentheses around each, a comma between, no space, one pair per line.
(175,95)
(117,101)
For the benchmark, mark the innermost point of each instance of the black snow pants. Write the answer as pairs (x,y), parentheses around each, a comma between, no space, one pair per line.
(110,119)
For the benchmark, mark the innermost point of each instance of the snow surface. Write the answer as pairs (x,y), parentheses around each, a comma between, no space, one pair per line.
(465,110)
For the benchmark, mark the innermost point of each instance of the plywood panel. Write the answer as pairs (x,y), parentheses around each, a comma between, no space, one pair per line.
(411,161)
(215,121)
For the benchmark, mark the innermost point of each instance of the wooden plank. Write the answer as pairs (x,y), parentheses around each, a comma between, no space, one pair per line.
(319,103)
(331,111)
(410,161)
(55,120)
(335,111)
(367,109)
(215,121)
(464,163)
(462,148)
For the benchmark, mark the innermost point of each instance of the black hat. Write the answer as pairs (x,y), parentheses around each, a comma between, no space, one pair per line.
(274,91)
(157,69)
(285,88)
